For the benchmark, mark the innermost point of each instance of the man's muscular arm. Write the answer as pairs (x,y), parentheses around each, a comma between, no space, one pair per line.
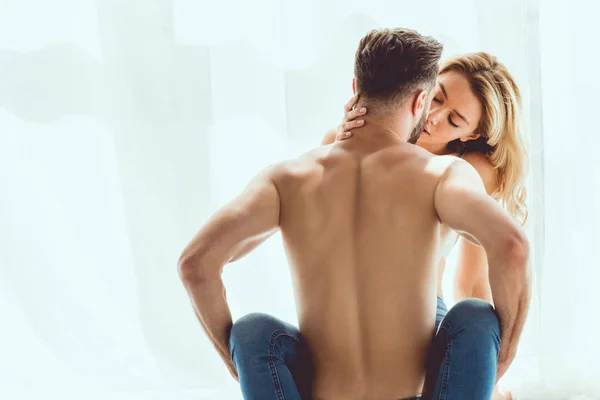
(462,203)
(240,225)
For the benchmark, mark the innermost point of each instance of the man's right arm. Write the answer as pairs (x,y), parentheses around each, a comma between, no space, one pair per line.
(462,204)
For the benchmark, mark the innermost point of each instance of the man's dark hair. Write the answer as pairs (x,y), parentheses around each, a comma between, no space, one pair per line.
(392,64)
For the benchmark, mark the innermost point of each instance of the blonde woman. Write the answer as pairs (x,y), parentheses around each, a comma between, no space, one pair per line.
(475,115)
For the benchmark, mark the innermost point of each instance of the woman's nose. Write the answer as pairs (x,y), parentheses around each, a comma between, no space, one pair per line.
(434,115)
(433,118)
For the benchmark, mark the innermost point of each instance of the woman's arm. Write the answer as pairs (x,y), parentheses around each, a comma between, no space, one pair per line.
(471,279)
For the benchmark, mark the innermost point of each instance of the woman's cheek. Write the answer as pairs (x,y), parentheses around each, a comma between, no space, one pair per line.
(439,137)
(445,136)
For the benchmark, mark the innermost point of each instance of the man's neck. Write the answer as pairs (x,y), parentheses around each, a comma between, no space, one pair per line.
(378,126)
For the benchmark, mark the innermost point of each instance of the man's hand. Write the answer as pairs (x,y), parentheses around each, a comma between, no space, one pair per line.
(504,361)
(226,357)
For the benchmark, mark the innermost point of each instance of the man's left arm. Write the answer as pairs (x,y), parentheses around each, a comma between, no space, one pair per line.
(239,225)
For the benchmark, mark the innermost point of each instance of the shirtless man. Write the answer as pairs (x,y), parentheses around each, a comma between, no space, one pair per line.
(361,222)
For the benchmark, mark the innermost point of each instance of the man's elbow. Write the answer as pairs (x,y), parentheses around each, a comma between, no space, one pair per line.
(192,268)
(186,269)
(516,249)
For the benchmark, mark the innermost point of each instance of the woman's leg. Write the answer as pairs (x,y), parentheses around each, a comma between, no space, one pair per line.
(463,360)
(271,358)
(441,312)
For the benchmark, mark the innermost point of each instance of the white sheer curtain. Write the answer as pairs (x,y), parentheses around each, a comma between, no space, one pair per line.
(125,124)
(567,351)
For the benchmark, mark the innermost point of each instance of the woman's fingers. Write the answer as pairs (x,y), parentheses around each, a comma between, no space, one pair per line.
(348,126)
(343,135)
(354,114)
(351,103)
(351,119)
(345,129)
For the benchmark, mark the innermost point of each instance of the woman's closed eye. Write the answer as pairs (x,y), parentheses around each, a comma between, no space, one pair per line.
(452,123)
(449,117)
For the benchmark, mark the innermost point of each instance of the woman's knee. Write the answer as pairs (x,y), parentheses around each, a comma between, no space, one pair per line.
(254,329)
(474,314)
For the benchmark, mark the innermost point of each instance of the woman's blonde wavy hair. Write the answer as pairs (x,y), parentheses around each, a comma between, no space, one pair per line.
(500,127)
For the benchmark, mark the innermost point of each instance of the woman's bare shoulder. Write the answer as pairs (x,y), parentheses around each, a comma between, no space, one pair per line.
(329,136)
(485,169)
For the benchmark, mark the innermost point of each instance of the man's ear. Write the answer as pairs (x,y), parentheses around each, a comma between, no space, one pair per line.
(353,86)
(472,136)
(419,103)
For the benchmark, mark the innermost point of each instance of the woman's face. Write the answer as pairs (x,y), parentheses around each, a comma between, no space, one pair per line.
(455,112)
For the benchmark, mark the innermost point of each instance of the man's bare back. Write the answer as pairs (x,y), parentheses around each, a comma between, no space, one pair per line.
(362,235)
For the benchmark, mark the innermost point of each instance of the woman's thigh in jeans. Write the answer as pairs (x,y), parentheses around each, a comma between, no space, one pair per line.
(271,356)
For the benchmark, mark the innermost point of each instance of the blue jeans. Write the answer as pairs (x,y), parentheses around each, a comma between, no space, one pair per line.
(273,360)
